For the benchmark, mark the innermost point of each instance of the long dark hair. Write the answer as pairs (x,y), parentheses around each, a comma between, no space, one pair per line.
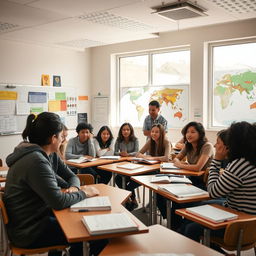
(201,140)
(241,142)
(39,129)
(120,137)
(99,139)
(223,135)
(157,149)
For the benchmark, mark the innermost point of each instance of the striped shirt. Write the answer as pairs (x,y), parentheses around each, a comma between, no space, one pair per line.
(237,184)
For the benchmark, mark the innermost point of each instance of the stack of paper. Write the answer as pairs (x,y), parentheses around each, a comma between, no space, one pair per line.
(182,190)
(81,160)
(109,223)
(169,166)
(170,179)
(97,203)
(212,213)
(110,157)
(130,166)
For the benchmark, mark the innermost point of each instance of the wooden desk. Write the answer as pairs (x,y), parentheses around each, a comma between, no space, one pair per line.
(117,170)
(153,187)
(89,164)
(75,230)
(181,172)
(209,225)
(158,240)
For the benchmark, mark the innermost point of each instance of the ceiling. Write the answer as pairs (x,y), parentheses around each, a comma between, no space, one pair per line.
(80,24)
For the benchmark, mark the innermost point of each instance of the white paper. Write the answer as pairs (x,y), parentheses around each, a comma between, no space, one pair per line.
(7,107)
(22,108)
(51,95)
(100,109)
(8,124)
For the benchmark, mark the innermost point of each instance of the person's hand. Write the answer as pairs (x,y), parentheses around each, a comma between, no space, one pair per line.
(71,190)
(221,152)
(91,135)
(88,157)
(176,162)
(124,153)
(90,191)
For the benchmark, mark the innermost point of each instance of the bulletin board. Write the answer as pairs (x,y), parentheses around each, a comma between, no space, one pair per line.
(18,101)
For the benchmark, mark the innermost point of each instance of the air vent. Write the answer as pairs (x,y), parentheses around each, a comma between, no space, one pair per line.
(180,10)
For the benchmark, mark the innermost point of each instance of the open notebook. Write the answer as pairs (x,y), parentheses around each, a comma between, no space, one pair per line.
(130,166)
(81,160)
(212,213)
(182,190)
(169,166)
(110,157)
(162,179)
(96,203)
(109,223)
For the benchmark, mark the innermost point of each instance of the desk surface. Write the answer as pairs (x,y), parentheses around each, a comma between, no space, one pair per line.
(75,230)
(212,225)
(158,240)
(114,168)
(182,172)
(146,181)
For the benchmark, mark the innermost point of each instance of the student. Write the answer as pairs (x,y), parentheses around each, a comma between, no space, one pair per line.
(82,146)
(198,150)
(237,183)
(153,118)
(127,145)
(32,191)
(104,146)
(199,153)
(63,145)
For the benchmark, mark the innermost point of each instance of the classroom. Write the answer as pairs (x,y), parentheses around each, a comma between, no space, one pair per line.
(88,53)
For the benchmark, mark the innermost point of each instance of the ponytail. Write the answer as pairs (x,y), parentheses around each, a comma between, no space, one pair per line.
(31,118)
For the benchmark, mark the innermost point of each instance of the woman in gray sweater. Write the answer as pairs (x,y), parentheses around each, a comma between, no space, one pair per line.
(32,189)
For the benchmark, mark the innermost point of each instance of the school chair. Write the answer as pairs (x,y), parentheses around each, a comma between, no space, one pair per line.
(239,235)
(86,179)
(23,251)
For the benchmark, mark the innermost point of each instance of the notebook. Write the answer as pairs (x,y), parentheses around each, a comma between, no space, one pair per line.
(109,223)
(169,166)
(96,203)
(182,190)
(3,174)
(170,179)
(142,160)
(212,213)
(81,160)
(130,166)
(110,157)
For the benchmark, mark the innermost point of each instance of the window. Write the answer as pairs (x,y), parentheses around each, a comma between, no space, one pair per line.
(161,76)
(232,83)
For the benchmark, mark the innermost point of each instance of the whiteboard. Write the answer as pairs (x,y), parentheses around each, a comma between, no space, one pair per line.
(13,113)
(100,112)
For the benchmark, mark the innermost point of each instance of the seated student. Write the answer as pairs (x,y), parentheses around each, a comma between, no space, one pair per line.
(63,145)
(82,145)
(32,191)
(104,146)
(199,154)
(127,145)
(237,183)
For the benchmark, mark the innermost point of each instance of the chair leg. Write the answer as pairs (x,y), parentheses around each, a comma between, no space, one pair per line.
(239,242)
(138,194)
(255,251)
(143,198)
(66,252)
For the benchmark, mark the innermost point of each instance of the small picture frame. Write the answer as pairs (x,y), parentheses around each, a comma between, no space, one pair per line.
(45,80)
(56,81)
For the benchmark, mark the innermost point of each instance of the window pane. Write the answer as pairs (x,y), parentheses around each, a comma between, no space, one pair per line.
(234,84)
(171,68)
(134,71)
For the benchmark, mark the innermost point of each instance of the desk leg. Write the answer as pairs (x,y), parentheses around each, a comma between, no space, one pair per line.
(123,182)
(86,249)
(150,207)
(114,178)
(154,210)
(168,213)
(207,235)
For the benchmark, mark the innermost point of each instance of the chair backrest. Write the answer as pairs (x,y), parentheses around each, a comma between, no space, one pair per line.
(233,230)
(86,179)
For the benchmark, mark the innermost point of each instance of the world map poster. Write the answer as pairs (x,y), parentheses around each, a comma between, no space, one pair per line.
(234,97)
(173,100)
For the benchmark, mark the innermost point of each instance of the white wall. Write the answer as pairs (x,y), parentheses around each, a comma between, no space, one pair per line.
(25,63)
(102,73)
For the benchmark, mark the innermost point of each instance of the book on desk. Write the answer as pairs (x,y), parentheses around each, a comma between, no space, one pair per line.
(146,161)
(212,213)
(81,160)
(130,166)
(182,190)
(168,165)
(109,223)
(110,157)
(165,179)
(96,203)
